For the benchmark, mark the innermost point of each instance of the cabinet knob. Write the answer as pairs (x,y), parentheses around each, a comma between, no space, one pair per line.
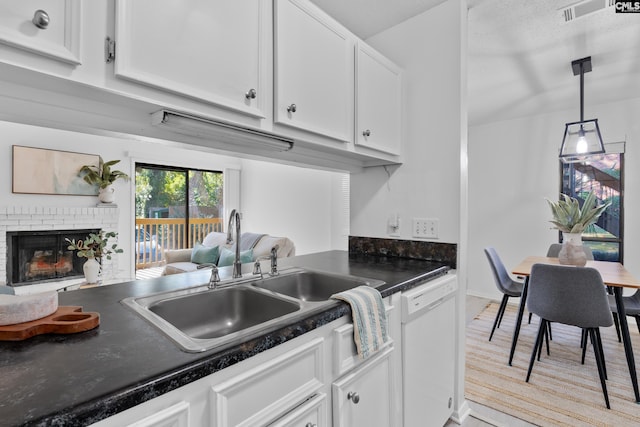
(353,396)
(292,108)
(251,94)
(366,133)
(41,19)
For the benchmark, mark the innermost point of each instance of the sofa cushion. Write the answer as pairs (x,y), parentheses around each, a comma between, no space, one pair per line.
(227,256)
(215,238)
(177,255)
(179,267)
(286,247)
(204,254)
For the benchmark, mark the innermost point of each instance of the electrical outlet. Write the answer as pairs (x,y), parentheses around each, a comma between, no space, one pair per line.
(426,228)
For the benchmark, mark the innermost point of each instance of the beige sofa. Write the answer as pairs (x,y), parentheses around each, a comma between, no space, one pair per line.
(180,260)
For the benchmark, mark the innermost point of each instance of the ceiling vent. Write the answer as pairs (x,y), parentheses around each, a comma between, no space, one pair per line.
(585,8)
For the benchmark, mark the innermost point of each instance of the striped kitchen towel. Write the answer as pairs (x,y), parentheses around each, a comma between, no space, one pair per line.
(369,319)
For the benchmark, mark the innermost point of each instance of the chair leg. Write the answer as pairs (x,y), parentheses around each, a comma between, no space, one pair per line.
(617,323)
(600,363)
(536,347)
(604,362)
(496,323)
(583,343)
(530,314)
(637,321)
(503,308)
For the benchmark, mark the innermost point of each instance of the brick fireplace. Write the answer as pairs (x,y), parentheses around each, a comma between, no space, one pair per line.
(14,219)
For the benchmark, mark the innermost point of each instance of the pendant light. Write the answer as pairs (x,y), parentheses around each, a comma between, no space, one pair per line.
(582,139)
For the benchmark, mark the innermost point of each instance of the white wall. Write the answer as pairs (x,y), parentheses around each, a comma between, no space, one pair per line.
(513,167)
(285,200)
(294,202)
(427,184)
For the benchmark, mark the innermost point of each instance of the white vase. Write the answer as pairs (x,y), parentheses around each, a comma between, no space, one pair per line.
(91,270)
(107,194)
(572,252)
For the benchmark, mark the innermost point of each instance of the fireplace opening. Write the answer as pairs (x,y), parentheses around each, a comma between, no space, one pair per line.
(42,256)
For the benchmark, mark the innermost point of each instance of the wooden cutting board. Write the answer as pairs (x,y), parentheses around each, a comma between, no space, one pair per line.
(66,320)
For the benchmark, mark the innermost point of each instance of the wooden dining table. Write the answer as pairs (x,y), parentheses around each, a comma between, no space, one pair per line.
(614,275)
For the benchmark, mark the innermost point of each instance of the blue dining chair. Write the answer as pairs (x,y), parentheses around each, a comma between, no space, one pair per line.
(573,296)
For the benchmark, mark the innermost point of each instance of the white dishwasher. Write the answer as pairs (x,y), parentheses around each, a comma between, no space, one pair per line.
(428,352)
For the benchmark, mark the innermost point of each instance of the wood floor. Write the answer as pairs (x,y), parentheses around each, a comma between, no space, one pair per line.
(482,416)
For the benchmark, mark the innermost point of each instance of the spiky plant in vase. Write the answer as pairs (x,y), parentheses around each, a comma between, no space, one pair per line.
(572,220)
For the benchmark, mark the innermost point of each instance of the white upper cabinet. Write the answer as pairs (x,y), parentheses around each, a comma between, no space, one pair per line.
(378,102)
(209,50)
(313,66)
(50,28)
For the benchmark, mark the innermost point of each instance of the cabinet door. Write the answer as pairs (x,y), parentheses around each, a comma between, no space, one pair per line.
(50,28)
(312,413)
(365,397)
(210,50)
(313,71)
(378,105)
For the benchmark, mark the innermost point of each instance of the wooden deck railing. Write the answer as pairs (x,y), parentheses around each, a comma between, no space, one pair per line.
(153,235)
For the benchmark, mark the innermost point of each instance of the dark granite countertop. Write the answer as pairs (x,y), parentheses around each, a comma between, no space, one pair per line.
(79,379)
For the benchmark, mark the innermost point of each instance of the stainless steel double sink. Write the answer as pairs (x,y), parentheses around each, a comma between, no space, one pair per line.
(200,319)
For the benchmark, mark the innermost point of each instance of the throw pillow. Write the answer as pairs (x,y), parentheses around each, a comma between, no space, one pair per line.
(227,256)
(204,254)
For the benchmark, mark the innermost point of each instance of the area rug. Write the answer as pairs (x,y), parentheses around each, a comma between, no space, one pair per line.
(561,391)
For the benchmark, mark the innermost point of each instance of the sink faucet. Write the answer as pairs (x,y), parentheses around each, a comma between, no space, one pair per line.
(237,265)
(215,277)
(273,256)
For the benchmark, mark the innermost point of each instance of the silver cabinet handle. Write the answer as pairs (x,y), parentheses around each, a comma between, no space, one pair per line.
(366,133)
(292,108)
(353,396)
(311,425)
(251,94)
(41,19)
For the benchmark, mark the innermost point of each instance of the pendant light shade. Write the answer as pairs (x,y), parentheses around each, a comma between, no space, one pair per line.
(582,139)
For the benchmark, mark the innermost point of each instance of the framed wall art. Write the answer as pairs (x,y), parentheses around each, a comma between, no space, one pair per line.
(44,171)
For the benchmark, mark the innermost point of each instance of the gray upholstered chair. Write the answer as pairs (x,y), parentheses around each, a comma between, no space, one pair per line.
(631,307)
(572,296)
(554,251)
(505,284)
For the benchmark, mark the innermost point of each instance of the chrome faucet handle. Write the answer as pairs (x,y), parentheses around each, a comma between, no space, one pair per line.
(257,270)
(274,260)
(215,277)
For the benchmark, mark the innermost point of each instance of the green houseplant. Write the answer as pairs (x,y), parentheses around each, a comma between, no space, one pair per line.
(94,247)
(568,217)
(103,175)
(572,220)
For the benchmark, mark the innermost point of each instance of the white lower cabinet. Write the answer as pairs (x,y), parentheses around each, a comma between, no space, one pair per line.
(174,416)
(315,380)
(365,396)
(312,413)
(262,394)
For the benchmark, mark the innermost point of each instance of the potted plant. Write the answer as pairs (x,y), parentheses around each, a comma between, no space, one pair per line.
(94,247)
(572,220)
(103,176)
